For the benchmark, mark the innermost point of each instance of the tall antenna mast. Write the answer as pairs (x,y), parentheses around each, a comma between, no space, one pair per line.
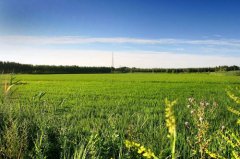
(112,60)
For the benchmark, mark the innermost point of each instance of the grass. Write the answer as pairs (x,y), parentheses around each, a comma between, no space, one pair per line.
(91,116)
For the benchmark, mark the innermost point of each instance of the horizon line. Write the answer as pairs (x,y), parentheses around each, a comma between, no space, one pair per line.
(54,65)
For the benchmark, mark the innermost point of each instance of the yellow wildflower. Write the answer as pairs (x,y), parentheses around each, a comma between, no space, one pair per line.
(146,153)
(128,144)
(171,124)
(233,97)
(137,144)
(149,154)
(214,155)
(141,149)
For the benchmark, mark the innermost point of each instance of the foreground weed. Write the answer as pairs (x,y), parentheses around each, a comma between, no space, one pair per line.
(229,145)
(198,139)
(9,85)
(13,132)
(142,151)
(14,140)
(172,135)
(231,95)
(88,150)
(171,124)
(229,139)
(40,145)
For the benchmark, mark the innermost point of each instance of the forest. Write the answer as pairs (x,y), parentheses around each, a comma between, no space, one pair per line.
(13,67)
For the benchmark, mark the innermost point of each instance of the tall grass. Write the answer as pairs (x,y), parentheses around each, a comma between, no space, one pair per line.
(228,138)
(107,117)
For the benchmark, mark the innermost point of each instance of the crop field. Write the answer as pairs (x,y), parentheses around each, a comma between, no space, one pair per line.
(110,115)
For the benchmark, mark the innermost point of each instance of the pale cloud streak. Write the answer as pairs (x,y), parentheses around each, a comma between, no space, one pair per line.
(36,50)
(64,40)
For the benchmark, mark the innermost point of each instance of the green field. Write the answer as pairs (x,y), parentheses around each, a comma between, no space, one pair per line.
(59,116)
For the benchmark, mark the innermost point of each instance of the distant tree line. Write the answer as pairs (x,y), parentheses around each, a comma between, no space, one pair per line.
(179,70)
(12,67)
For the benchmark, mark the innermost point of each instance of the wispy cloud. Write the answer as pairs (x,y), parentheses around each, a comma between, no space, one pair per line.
(42,40)
(170,52)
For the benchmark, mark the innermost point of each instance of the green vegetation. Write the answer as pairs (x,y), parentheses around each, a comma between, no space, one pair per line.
(114,115)
(10,67)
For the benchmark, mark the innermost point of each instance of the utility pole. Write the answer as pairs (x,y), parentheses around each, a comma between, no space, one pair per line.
(112,60)
(112,68)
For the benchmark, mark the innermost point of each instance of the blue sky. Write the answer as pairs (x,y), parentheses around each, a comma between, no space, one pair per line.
(141,33)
